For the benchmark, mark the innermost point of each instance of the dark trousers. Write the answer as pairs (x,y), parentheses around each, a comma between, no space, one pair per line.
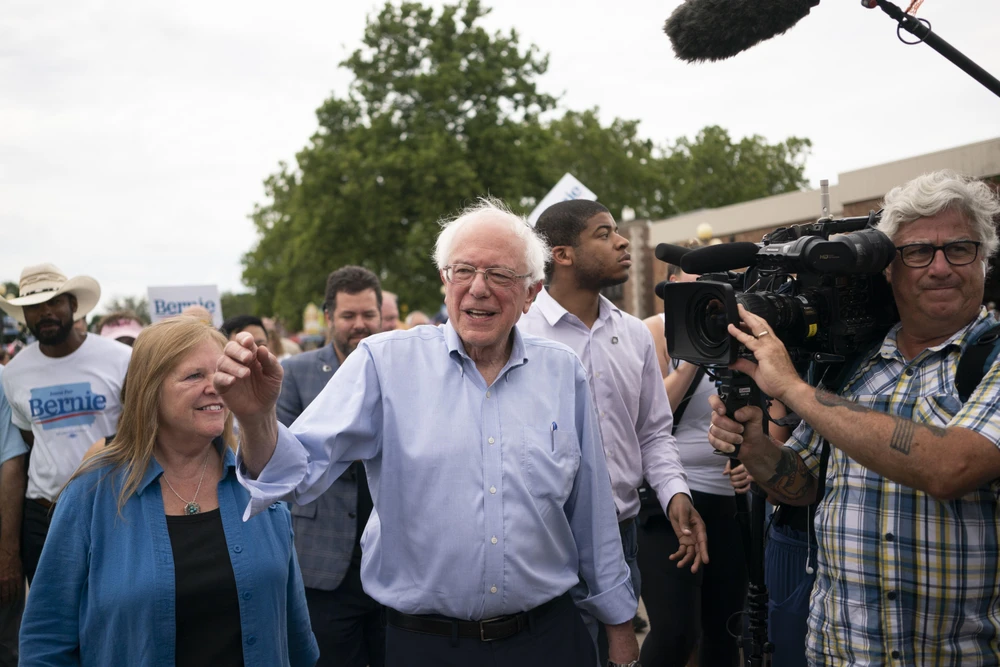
(685,607)
(557,639)
(34,528)
(789,587)
(347,624)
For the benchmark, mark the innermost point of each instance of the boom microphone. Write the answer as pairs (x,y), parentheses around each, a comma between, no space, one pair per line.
(718,258)
(717,29)
(671,254)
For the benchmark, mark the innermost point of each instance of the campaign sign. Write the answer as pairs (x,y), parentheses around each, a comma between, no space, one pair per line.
(171,301)
(567,188)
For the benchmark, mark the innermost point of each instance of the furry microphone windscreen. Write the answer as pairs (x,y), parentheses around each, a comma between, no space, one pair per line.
(717,29)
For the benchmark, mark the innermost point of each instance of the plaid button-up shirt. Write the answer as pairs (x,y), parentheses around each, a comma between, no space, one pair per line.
(904,578)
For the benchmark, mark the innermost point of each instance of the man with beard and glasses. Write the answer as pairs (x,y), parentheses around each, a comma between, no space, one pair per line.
(588,254)
(346,621)
(64,390)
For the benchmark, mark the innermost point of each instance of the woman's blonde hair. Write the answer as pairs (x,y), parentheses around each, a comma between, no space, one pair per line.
(157,351)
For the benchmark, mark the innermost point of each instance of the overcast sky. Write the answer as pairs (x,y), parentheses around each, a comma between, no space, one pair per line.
(135,136)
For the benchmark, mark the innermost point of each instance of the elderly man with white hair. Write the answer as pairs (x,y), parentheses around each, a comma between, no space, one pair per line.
(492,495)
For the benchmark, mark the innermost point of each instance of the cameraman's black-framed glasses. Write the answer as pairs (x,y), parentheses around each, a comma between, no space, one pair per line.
(919,255)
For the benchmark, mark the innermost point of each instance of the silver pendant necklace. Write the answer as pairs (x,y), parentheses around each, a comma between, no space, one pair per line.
(192,506)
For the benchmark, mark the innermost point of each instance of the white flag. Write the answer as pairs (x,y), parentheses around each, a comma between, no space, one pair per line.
(567,188)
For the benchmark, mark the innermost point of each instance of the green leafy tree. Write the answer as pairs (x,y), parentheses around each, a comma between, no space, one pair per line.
(713,170)
(439,113)
(614,161)
(707,171)
(233,304)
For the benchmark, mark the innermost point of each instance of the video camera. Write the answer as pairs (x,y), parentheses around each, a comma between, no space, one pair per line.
(819,286)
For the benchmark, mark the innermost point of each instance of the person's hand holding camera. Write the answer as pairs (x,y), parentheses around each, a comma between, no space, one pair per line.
(774,372)
(743,429)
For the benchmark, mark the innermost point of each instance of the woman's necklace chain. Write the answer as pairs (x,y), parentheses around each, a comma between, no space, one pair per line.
(191,507)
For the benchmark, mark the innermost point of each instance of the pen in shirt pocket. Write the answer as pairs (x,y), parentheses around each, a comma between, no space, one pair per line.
(552,434)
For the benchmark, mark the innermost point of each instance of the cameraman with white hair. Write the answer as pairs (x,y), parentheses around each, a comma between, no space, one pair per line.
(908,530)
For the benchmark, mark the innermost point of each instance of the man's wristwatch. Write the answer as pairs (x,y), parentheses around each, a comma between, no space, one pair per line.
(634,663)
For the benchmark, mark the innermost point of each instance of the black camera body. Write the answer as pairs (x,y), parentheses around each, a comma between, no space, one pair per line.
(819,286)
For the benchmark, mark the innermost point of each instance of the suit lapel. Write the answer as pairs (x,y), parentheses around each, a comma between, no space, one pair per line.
(327,361)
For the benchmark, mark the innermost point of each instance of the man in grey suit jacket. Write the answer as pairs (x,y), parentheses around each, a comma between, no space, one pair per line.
(347,623)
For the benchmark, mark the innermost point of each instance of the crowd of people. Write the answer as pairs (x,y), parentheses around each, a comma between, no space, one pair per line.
(502,487)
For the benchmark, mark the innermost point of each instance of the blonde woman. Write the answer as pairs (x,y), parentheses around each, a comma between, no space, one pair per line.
(148,561)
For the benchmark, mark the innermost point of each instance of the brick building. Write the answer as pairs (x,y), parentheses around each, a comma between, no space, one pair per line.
(856,193)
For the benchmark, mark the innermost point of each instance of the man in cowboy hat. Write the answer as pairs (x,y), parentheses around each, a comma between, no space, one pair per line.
(63,390)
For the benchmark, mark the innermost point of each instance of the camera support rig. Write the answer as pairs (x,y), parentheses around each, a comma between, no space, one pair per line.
(738,390)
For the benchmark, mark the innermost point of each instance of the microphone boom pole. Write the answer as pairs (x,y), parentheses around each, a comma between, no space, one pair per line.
(922,31)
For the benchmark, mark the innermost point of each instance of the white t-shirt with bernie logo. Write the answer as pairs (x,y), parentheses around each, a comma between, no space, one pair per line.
(68,403)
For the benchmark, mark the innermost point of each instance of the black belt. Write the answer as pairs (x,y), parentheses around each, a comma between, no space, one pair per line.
(488,630)
(47,504)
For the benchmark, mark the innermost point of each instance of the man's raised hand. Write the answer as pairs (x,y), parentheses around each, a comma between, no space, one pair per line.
(248,378)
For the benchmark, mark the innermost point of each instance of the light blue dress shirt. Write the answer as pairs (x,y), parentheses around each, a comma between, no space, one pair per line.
(11,442)
(634,414)
(104,591)
(488,500)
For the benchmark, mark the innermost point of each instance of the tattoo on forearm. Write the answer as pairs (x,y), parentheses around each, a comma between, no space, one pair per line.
(833,401)
(902,436)
(791,479)
(785,467)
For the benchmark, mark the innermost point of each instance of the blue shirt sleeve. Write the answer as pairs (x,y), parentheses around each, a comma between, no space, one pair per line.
(50,627)
(11,442)
(342,425)
(591,513)
(303,650)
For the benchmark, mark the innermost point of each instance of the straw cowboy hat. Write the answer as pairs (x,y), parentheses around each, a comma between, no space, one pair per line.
(43,282)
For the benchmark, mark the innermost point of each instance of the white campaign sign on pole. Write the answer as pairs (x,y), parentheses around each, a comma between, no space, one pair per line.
(567,188)
(170,301)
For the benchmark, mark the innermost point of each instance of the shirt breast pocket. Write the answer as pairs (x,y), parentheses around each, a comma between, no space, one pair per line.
(550,460)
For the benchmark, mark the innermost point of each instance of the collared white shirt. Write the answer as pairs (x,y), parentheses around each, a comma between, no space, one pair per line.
(633,412)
